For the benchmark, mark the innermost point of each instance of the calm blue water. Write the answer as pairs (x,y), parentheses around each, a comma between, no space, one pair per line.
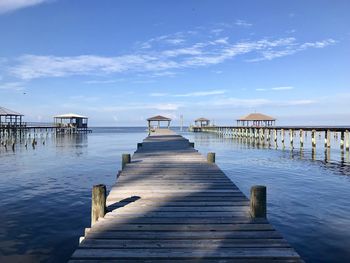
(45,192)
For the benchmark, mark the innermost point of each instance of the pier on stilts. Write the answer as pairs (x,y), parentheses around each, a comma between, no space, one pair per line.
(172,204)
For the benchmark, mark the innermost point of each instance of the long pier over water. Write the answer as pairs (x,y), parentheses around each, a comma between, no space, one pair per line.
(171,204)
(274,135)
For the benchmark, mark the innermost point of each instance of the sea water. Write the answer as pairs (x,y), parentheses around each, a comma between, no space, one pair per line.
(45,192)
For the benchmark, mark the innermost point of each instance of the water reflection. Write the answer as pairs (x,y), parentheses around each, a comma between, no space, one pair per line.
(308,189)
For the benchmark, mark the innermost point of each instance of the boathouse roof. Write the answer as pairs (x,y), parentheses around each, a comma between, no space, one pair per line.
(8,112)
(256,117)
(158,118)
(70,116)
(202,119)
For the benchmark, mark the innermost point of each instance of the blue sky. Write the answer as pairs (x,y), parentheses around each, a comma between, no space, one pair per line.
(119,62)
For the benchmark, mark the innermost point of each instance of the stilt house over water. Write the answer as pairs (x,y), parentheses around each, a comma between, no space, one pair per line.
(10,118)
(202,122)
(71,122)
(158,119)
(256,120)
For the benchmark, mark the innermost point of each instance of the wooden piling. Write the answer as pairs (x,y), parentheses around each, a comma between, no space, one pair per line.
(342,135)
(328,143)
(347,147)
(211,157)
(313,138)
(291,134)
(301,139)
(98,204)
(126,158)
(258,201)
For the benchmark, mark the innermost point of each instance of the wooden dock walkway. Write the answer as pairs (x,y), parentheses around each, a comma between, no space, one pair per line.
(170,205)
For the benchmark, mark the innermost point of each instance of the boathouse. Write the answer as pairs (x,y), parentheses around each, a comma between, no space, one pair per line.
(256,120)
(202,122)
(71,122)
(158,120)
(10,118)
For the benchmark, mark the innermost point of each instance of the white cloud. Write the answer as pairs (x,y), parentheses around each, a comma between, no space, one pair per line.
(106,81)
(232,102)
(12,5)
(283,88)
(201,93)
(14,86)
(160,63)
(242,23)
(129,107)
(190,94)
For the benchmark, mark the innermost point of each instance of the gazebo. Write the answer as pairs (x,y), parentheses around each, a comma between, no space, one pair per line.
(10,118)
(202,122)
(256,119)
(158,119)
(71,120)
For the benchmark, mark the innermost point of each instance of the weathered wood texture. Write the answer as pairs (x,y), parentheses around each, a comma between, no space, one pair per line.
(170,205)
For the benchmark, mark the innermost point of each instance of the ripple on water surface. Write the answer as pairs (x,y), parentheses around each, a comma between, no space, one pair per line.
(45,193)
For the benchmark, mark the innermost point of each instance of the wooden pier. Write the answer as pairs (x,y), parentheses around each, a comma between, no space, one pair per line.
(274,135)
(171,204)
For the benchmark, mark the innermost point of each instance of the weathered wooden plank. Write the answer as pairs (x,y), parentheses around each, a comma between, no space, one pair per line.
(184,243)
(183,234)
(150,202)
(202,260)
(186,253)
(146,209)
(111,226)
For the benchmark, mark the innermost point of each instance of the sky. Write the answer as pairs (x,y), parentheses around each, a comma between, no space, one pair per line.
(120,62)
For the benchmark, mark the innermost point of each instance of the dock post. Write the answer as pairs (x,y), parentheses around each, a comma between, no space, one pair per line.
(258,201)
(282,136)
(211,157)
(347,140)
(313,138)
(126,158)
(301,139)
(291,134)
(98,205)
(328,143)
(342,140)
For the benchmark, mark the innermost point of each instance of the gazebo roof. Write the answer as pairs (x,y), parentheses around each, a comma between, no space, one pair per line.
(202,119)
(7,112)
(70,116)
(158,118)
(256,117)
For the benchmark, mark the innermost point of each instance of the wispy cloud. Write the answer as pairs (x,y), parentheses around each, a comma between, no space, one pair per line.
(107,81)
(292,48)
(12,86)
(201,93)
(243,23)
(283,88)
(161,62)
(276,88)
(232,102)
(129,107)
(12,5)
(190,94)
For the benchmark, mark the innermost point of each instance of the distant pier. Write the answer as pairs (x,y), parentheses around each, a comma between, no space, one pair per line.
(283,135)
(171,204)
